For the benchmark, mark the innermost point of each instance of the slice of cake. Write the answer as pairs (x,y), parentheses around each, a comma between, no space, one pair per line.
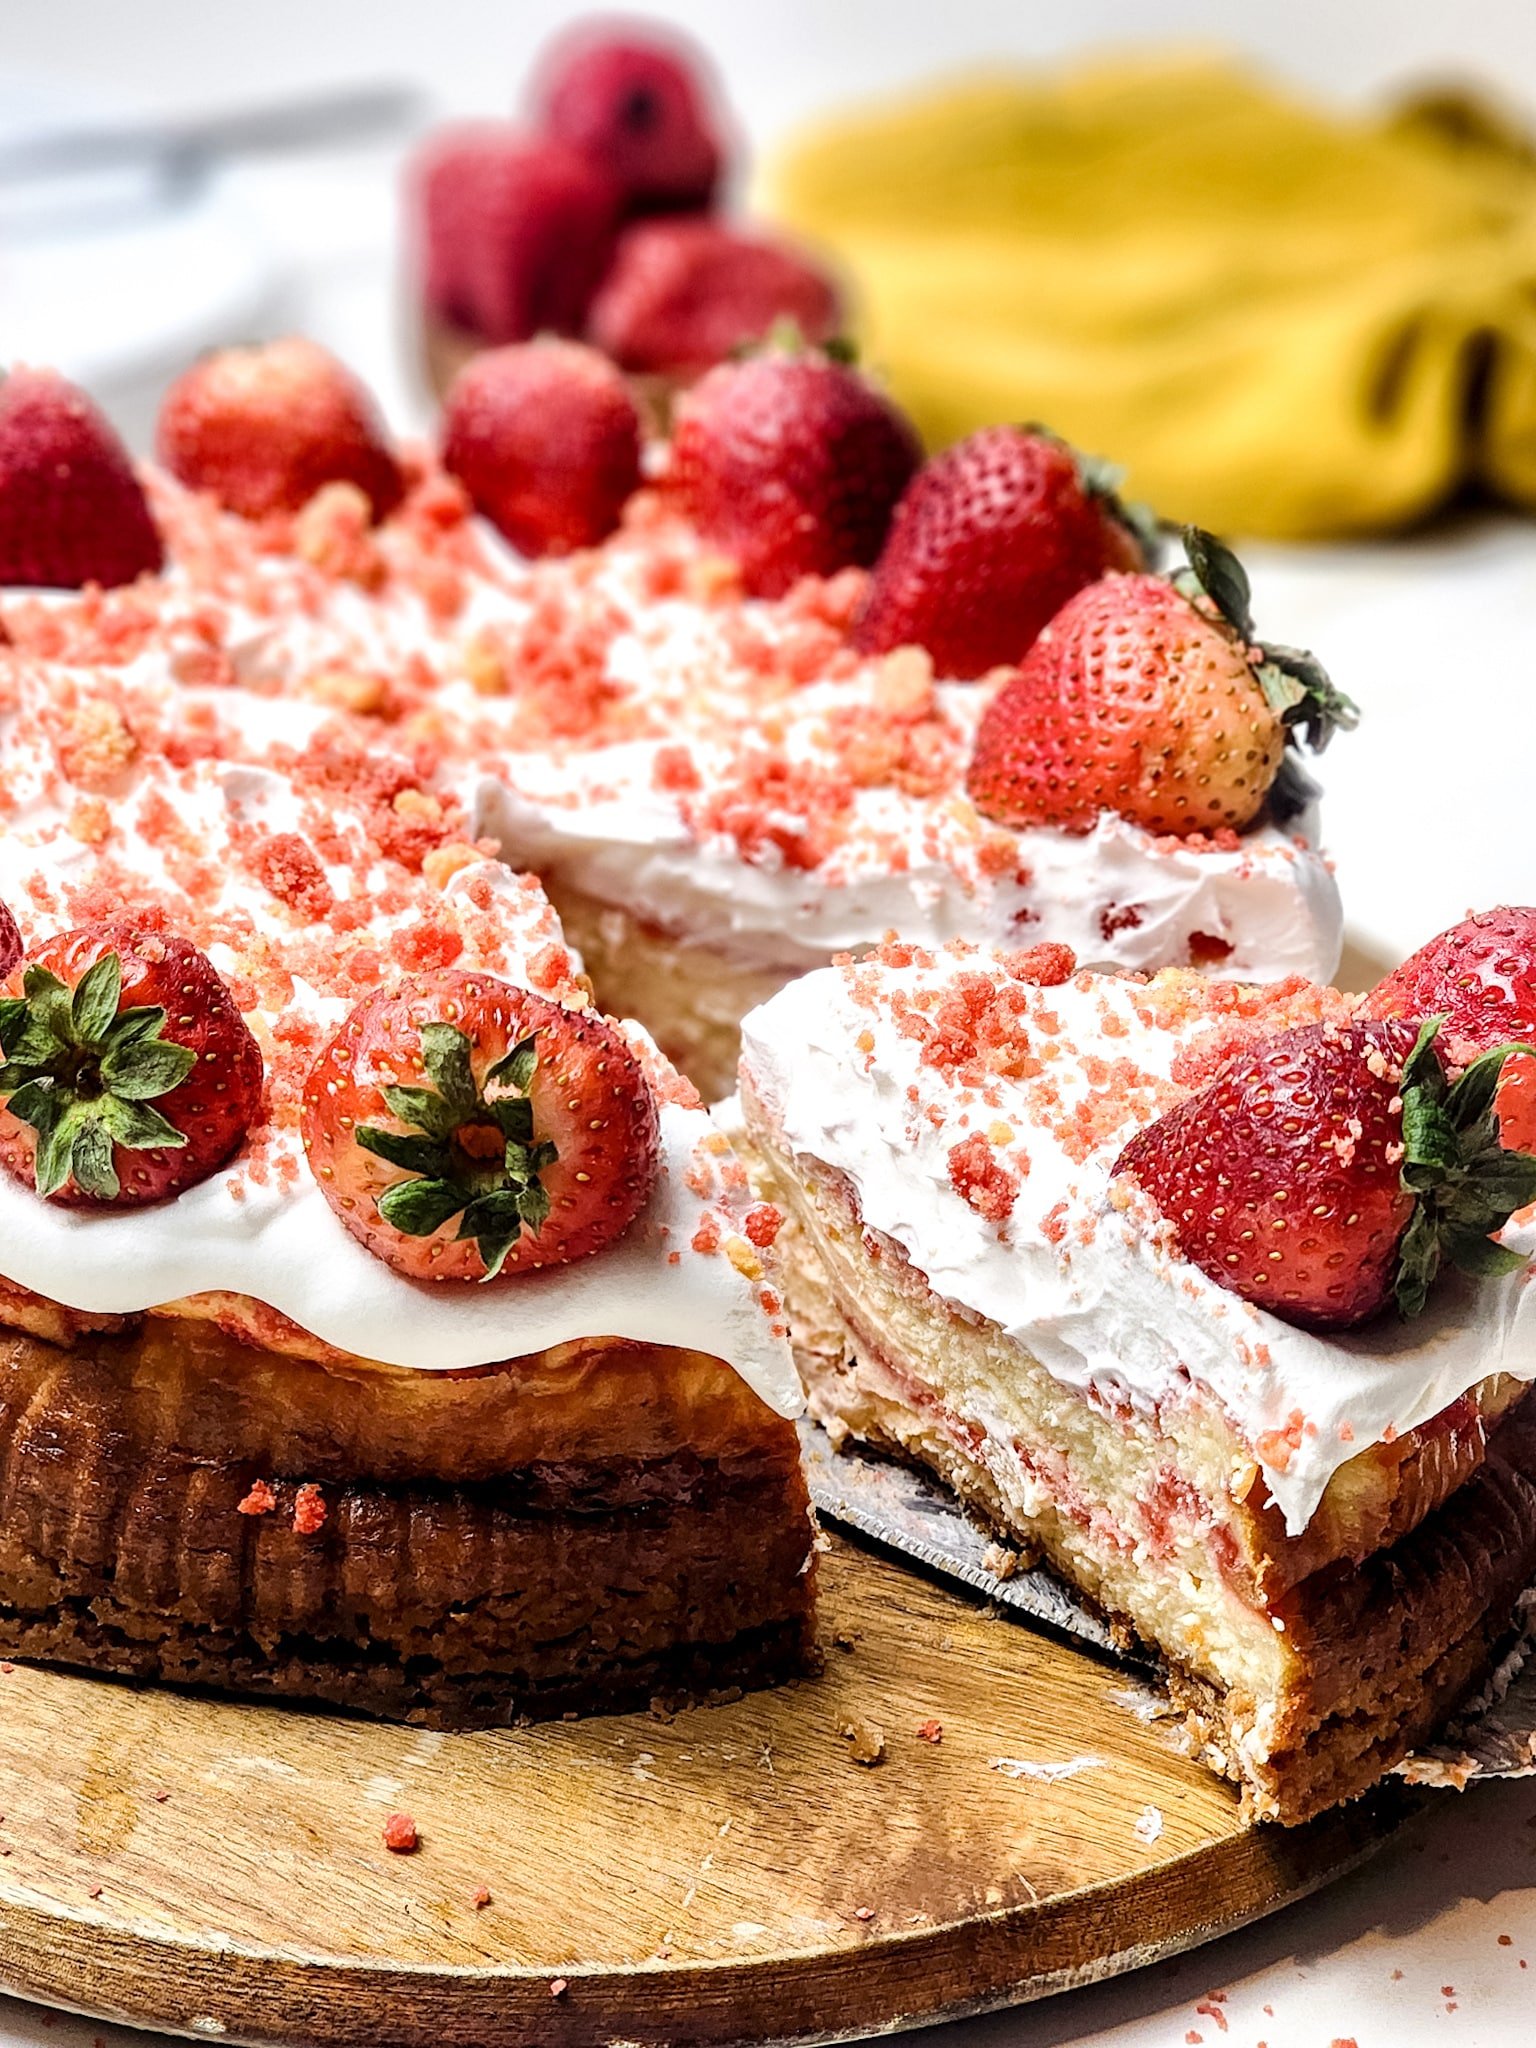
(379,1322)
(729,747)
(1114,1257)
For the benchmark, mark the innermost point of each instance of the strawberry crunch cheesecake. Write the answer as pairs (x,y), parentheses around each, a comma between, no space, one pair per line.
(1218,1299)
(740,702)
(380,1322)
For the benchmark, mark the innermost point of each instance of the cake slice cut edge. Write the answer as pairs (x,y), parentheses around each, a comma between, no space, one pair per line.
(1307,1660)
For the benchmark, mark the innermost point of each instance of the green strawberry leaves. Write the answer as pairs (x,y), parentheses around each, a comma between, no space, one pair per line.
(83,1074)
(1295,684)
(1465,1184)
(471,1151)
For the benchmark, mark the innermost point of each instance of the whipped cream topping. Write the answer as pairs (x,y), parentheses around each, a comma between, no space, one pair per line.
(1266,908)
(883,1070)
(119,799)
(749,782)
(724,768)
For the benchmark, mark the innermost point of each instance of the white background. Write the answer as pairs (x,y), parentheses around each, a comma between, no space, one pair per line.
(1430,804)
(781,58)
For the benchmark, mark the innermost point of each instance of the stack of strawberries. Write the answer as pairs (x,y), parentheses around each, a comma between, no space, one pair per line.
(598,216)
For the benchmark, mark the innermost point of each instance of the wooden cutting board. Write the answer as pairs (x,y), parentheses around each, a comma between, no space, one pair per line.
(728,1875)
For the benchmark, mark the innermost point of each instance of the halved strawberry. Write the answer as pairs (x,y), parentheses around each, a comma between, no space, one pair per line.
(1150,698)
(464,1129)
(545,437)
(636,103)
(791,462)
(1333,1168)
(514,230)
(1481,977)
(991,539)
(682,295)
(263,428)
(72,511)
(129,1073)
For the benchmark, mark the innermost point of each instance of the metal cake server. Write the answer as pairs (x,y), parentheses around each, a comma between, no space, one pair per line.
(903,1510)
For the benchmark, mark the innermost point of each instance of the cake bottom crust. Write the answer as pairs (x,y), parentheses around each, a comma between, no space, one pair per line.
(131,1545)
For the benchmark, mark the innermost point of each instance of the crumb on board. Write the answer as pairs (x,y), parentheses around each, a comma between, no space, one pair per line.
(1149,1823)
(930,1731)
(401,1834)
(866,1740)
(558,1987)
(1049,1774)
(481,1900)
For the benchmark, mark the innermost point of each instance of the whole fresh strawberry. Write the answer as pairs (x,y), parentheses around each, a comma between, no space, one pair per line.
(1480,976)
(464,1129)
(1151,698)
(11,947)
(129,1073)
(1331,1169)
(263,428)
(514,231)
(72,511)
(684,294)
(791,462)
(636,104)
(991,539)
(545,437)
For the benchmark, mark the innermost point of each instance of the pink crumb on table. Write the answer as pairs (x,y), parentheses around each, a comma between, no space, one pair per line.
(401,1835)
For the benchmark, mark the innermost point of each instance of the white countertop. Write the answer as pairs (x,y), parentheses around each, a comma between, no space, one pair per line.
(1429,814)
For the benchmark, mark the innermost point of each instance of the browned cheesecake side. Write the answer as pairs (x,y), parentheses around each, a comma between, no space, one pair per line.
(582,1530)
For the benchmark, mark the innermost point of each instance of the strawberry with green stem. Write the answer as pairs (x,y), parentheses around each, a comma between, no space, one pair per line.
(1150,697)
(470,1155)
(1332,1169)
(464,1129)
(129,1073)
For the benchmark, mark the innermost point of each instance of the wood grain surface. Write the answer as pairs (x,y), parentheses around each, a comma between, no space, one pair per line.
(729,1874)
